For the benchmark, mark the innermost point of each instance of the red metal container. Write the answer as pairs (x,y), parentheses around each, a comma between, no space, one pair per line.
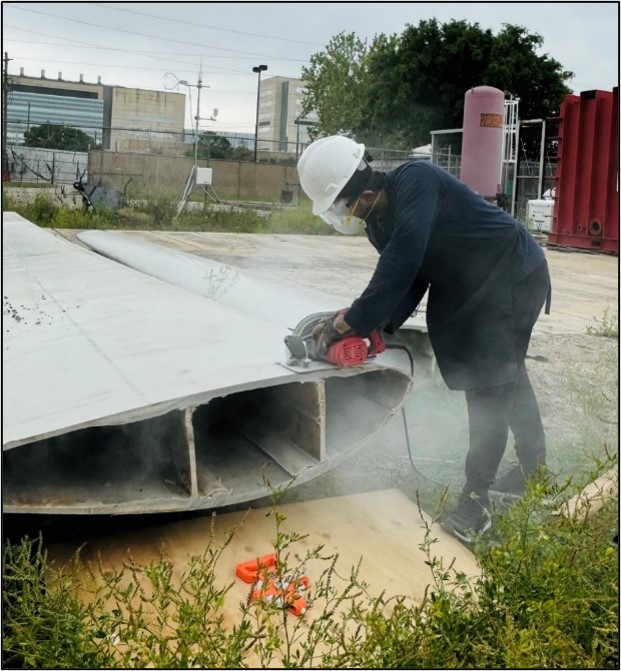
(586,211)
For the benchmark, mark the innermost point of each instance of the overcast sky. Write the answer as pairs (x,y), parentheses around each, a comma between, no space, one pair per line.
(136,44)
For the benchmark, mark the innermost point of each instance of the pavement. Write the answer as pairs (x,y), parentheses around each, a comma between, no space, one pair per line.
(584,285)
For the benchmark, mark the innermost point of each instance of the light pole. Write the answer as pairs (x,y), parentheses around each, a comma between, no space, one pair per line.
(258,69)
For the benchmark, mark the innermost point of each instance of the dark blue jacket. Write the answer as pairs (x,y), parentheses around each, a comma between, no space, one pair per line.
(438,234)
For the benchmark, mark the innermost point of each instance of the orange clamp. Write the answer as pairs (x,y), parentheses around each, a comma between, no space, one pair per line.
(249,570)
(287,591)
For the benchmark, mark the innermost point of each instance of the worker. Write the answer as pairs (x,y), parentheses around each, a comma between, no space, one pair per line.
(487,280)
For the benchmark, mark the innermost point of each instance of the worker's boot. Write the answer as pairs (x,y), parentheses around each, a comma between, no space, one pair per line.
(470,517)
(514,480)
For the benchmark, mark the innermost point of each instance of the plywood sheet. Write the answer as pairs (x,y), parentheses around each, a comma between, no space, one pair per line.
(384,529)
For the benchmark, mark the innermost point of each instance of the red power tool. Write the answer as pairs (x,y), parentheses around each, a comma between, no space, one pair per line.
(349,351)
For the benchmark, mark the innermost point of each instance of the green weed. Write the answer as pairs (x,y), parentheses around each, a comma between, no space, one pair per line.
(157,212)
(299,220)
(44,622)
(607,326)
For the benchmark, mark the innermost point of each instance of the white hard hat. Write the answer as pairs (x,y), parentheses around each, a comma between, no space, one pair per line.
(326,166)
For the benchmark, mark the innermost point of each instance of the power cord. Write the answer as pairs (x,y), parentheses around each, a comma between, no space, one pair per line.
(403,414)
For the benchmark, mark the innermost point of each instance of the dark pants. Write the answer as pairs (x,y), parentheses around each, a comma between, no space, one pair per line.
(494,410)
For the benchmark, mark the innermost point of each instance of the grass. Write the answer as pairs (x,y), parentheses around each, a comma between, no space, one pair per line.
(159,213)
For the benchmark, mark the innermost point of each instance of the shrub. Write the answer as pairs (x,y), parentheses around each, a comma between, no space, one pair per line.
(43,210)
(215,218)
(548,598)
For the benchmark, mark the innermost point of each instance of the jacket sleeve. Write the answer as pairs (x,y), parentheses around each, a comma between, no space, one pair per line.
(407,306)
(418,194)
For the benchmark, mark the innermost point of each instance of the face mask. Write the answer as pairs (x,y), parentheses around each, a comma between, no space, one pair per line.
(340,217)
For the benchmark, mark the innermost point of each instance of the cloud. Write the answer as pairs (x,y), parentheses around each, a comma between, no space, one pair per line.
(104,39)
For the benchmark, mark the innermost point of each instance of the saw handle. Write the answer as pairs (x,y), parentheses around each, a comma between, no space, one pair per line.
(377,344)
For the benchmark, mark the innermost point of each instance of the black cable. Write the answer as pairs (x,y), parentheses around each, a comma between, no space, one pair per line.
(403,414)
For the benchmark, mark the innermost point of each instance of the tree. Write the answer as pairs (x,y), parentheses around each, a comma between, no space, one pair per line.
(211,145)
(401,87)
(52,136)
(336,81)
(539,81)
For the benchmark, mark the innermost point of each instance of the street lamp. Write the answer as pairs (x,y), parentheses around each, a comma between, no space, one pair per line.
(258,69)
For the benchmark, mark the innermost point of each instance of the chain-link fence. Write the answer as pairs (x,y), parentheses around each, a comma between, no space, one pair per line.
(31,161)
(45,166)
(533,182)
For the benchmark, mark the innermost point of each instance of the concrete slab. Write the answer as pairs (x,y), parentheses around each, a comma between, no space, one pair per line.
(584,285)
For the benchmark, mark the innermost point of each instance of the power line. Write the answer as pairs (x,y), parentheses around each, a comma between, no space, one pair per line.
(89,45)
(202,25)
(84,45)
(227,71)
(156,37)
(134,67)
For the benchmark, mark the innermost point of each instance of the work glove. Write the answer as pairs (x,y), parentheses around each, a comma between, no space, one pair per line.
(330,330)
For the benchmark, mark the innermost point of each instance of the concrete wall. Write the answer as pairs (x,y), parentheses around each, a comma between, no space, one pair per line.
(140,109)
(63,194)
(168,175)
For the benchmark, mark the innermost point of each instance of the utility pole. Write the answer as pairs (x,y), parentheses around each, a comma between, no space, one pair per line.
(5,108)
(191,183)
(197,118)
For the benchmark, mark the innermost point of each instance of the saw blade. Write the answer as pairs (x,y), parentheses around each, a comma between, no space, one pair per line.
(305,327)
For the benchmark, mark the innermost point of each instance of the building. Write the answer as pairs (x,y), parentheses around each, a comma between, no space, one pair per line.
(36,101)
(119,118)
(281,128)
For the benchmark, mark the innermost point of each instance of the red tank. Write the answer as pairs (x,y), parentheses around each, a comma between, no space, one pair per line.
(586,211)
